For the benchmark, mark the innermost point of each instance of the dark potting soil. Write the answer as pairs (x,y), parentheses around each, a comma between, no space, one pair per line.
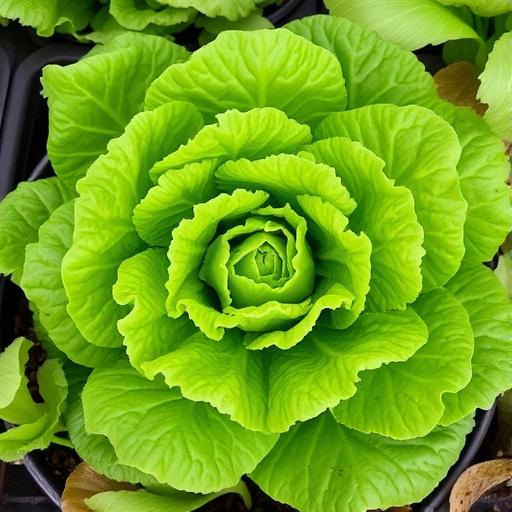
(62,460)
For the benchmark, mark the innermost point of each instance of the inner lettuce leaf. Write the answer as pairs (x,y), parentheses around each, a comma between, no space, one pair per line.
(382,208)
(239,292)
(431,173)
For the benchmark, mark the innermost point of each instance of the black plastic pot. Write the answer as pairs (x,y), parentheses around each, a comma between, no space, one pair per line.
(23,157)
(292,10)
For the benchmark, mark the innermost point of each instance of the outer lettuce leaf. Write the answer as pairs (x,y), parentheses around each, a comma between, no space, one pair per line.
(389,75)
(100,111)
(322,465)
(21,214)
(46,16)
(95,449)
(172,442)
(490,314)
(410,24)
(421,152)
(148,332)
(496,87)
(256,134)
(405,400)
(214,26)
(483,170)
(261,72)
(108,194)
(42,283)
(386,213)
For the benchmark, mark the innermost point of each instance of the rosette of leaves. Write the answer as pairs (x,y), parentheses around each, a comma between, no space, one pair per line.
(270,264)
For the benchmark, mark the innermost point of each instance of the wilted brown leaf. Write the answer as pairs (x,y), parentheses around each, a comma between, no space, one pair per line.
(477,480)
(458,83)
(83,483)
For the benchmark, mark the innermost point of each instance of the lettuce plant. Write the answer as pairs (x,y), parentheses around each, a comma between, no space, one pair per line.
(265,258)
(92,20)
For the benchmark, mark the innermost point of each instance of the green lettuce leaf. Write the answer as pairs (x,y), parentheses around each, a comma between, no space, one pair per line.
(136,15)
(100,112)
(389,75)
(410,24)
(21,214)
(267,78)
(405,400)
(490,314)
(285,177)
(16,403)
(172,437)
(496,87)
(324,368)
(158,500)
(322,465)
(95,449)
(482,7)
(483,171)
(421,152)
(173,199)
(254,135)
(26,437)
(230,9)
(108,194)
(42,284)
(386,214)
(50,15)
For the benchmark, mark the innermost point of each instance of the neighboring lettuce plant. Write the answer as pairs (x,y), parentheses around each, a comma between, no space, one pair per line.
(474,31)
(265,259)
(100,20)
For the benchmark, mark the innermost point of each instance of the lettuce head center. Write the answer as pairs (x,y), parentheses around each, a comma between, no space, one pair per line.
(262,257)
